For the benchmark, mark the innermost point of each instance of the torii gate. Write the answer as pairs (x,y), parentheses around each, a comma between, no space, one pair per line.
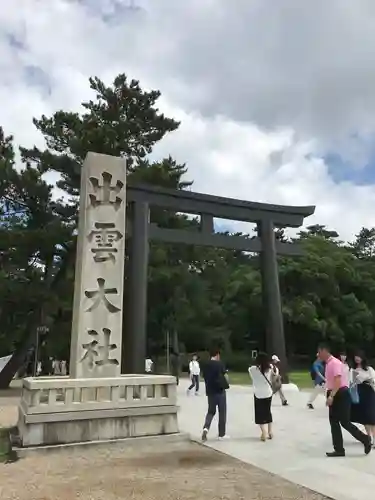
(141,197)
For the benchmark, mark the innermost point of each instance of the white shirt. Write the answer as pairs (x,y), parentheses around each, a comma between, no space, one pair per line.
(194,368)
(56,367)
(63,367)
(148,365)
(346,375)
(261,383)
(360,375)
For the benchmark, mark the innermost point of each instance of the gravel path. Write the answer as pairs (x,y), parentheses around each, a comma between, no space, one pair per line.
(175,471)
(179,471)
(8,411)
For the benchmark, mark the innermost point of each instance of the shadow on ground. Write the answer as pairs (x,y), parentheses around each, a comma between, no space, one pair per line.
(173,471)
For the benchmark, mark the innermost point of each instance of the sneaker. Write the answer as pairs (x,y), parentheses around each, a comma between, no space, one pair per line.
(285,403)
(204,435)
(223,438)
(334,454)
(310,406)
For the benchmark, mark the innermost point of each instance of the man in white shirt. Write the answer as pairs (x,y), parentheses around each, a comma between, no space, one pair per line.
(195,371)
(148,365)
(276,372)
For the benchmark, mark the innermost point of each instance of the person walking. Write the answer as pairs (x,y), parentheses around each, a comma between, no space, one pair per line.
(276,373)
(317,374)
(46,364)
(261,376)
(56,367)
(148,365)
(363,411)
(339,403)
(64,370)
(194,370)
(216,381)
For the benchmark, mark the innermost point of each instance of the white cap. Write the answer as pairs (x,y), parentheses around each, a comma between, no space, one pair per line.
(275,359)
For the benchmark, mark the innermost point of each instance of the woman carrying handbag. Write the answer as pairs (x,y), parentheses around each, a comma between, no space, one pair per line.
(363,394)
(261,375)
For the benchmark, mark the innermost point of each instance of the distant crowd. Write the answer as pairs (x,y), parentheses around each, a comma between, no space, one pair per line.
(46,367)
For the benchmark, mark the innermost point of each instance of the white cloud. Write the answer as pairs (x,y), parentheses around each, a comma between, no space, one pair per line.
(262,87)
(235,160)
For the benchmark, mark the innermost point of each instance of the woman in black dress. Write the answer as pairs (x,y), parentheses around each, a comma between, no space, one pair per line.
(261,375)
(363,412)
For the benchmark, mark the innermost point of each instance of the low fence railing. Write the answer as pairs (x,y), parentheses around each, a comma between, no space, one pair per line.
(51,395)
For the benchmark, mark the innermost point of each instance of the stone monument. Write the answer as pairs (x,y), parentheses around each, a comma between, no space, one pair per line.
(96,402)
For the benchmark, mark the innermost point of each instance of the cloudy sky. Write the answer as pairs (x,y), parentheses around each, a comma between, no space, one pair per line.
(276,98)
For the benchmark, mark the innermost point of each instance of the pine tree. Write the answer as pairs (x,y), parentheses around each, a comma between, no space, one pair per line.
(122,120)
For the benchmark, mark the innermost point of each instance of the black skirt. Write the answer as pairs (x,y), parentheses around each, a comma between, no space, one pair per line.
(364,411)
(262,410)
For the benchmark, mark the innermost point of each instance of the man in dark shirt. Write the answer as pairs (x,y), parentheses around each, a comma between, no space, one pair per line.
(215,377)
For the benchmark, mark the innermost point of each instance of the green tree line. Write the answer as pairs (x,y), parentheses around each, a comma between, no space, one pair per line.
(200,293)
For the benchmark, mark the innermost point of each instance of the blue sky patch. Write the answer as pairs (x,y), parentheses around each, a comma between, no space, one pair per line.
(36,77)
(112,11)
(341,170)
(15,41)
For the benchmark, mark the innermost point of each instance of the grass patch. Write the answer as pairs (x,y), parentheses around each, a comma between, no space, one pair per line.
(4,444)
(7,454)
(301,378)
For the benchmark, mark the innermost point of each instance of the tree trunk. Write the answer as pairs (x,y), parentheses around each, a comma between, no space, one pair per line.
(19,356)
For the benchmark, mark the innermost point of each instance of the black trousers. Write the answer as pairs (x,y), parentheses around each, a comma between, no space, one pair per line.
(339,416)
(218,401)
(194,383)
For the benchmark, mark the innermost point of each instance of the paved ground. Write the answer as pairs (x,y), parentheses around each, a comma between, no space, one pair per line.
(297,452)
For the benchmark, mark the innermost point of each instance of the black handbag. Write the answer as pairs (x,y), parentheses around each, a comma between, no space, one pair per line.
(223,382)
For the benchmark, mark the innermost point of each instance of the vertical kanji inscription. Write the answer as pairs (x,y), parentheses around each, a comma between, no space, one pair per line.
(98,295)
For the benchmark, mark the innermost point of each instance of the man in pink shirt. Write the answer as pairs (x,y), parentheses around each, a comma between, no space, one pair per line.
(339,403)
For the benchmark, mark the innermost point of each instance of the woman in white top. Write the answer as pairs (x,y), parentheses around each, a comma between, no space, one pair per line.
(346,368)
(261,375)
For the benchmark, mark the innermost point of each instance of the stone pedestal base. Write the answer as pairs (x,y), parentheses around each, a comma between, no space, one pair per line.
(62,410)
